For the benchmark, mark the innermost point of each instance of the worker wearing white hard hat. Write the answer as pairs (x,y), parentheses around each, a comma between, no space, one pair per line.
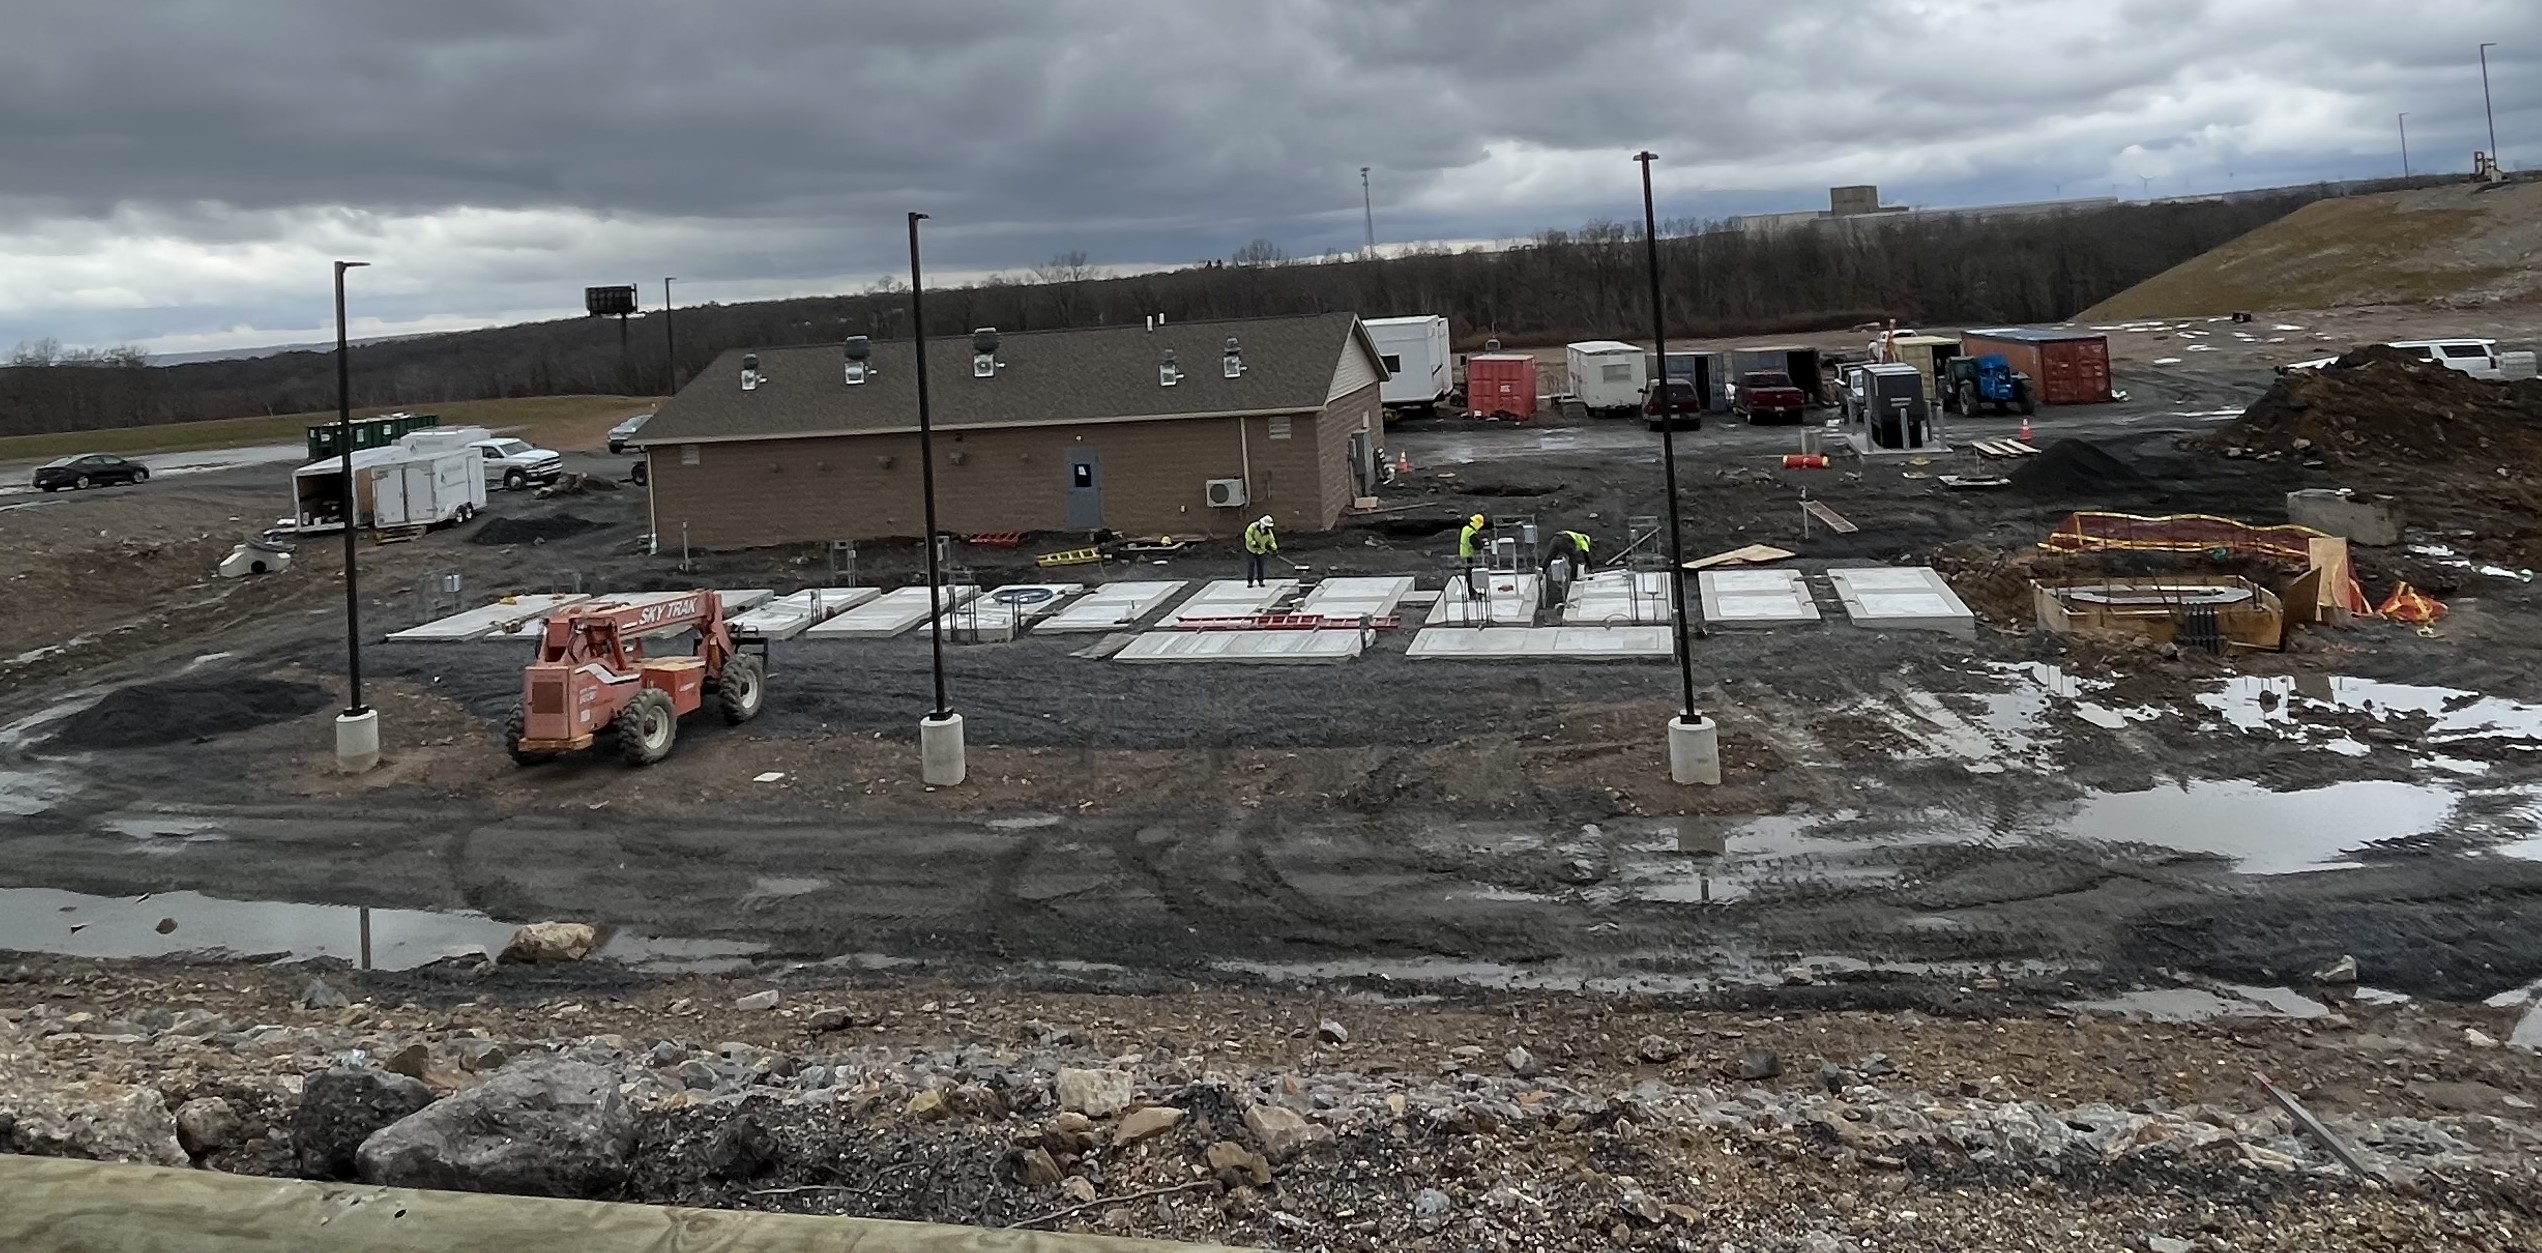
(1260,542)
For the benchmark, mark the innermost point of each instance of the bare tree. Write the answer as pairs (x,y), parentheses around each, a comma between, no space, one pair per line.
(1260,252)
(1067,267)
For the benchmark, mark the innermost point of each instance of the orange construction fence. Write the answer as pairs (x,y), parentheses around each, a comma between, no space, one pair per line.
(2200,533)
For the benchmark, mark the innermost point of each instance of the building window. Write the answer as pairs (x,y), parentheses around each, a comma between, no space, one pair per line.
(1616,373)
(1081,475)
(688,454)
(1279,428)
(1394,362)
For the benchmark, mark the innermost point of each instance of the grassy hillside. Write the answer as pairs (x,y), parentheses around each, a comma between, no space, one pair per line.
(2455,245)
(571,421)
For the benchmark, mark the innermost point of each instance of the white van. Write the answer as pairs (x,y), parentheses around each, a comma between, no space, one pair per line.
(1608,376)
(2475,357)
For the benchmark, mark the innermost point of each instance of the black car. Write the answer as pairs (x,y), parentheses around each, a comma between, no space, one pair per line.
(96,469)
(1685,405)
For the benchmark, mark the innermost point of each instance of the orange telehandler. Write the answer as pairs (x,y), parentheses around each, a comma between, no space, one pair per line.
(593,683)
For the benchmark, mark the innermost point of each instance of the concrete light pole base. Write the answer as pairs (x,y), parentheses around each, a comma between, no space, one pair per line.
(357,741)
(1694,751)
(940,756)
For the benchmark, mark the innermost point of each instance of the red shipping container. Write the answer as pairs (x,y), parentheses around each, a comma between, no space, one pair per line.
(1500,385)
(2067,367)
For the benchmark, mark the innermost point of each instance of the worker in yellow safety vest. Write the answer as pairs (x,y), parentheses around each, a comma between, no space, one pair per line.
(1260,542)
(1468,541)
(1577,549)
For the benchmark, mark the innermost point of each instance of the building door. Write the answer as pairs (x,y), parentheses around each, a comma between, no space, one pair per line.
(1085,490)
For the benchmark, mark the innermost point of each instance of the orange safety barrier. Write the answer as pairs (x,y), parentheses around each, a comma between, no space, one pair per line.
(2408,604)
(2199,533)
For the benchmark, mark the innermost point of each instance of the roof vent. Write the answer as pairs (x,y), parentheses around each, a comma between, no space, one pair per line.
(1232,362)
(1491,345)
(1168,373)
(860,365)
(984,360)
(750,375)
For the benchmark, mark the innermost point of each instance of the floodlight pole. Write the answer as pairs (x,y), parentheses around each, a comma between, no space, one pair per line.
(1368,214)
(2486,106)
(2405,145)
(670,344)
(940,750)
(1694,746)
(357,729)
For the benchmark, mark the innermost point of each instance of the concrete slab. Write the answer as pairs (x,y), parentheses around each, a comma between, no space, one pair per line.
(1564,643)
(1261,648)
(1508,600)
(519,617)
(1004,613)
(1350,599)
(1112,606)
(1903,598)
(789,616)
(1230,598)
(1618,598)
(1755,598)
(886,615)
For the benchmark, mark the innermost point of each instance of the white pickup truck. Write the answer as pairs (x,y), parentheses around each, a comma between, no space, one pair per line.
(2475,357)
(516,464)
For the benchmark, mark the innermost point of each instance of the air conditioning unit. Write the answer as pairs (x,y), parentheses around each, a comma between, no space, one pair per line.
(1227,494)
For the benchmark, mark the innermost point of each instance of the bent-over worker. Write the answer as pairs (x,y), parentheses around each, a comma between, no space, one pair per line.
(1260,542)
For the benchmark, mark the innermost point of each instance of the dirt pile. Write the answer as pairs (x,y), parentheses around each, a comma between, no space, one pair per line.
(533,530)
(194,708)
(2382,406)
(2073,467)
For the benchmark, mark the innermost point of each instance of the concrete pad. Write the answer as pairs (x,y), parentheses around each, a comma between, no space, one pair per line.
(1564,643)
(789,616)
(1354,598)
(1005,612)
(1112,606)
(1755,598)
(1230,598)
(1263,648)
(886,615)
(1618,598)
(523,617)
(1508,600)
(1906,598)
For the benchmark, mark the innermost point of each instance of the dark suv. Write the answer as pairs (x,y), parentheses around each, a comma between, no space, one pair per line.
(1685,405)
(96,469)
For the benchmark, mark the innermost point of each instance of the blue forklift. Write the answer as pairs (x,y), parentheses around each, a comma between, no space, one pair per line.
(1971,384)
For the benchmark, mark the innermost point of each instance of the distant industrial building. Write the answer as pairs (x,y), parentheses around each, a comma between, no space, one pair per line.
(1859,206)
(1190,429)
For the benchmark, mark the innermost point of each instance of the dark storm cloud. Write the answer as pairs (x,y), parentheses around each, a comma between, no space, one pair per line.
(753,142)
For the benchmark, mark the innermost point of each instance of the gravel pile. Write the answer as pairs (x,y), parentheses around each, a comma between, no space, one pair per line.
(174,711)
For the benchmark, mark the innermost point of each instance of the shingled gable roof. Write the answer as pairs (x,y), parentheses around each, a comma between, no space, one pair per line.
(1091,374)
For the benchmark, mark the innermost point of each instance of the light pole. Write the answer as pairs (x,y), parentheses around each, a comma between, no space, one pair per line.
(357,729)
(940,753)
(670,344)
(1368,213)
(1694,744)
(2485,106)
(2405,145)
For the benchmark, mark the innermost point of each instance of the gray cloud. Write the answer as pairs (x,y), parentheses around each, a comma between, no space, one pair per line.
(176,165)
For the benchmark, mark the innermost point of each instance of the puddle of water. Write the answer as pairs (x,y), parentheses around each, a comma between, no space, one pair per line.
(1757,854)
(2264,832)
(2255,703)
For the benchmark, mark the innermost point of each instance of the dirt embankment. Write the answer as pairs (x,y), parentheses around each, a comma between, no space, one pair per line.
(2384,406)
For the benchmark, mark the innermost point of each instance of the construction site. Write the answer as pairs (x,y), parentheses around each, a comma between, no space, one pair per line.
(2128,827)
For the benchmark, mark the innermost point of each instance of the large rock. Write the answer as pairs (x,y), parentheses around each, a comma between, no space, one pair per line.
(558,1129)
(546,943)
(1282,1132)
(1146,1124)
(207,1124)
(340,1108)
(107,1122)
(1095,1093)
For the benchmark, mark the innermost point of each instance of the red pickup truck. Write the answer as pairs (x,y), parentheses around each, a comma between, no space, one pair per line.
(1768,396)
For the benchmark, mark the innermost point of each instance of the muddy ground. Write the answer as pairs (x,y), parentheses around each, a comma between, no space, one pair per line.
(1922,807)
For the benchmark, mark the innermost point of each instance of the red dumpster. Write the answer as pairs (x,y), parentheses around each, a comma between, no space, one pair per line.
(2067,367)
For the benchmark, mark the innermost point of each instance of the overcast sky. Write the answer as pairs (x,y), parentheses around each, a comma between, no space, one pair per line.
(178,173)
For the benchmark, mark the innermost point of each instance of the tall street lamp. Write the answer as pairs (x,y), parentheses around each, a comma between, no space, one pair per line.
(940,752)
(2485,105)
(2405,145)
(357,729)
(670,344)
(1694,743)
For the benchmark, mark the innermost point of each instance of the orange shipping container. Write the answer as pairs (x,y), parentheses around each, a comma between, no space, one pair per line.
(2067,367)
(1500,385)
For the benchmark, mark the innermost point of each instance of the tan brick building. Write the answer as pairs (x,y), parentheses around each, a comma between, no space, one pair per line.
(1129,429)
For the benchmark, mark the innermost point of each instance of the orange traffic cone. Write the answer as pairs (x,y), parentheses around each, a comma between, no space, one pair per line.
(2025,428)
(1403,463)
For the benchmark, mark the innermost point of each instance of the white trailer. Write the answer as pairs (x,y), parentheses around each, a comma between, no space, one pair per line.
(1608,376)
(1420,370)
(400,485)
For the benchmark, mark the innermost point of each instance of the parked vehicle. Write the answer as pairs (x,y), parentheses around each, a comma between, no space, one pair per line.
(1801,366)
(1768,396)
(2478,358)
(623,434)
(1970,384)
(1684,401)
(516,464)
(1420,368)
(96,469)
(420,480)
(1706,370)
(1608,376)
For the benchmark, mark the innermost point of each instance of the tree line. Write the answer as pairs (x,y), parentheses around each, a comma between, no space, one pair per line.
(1935,269)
